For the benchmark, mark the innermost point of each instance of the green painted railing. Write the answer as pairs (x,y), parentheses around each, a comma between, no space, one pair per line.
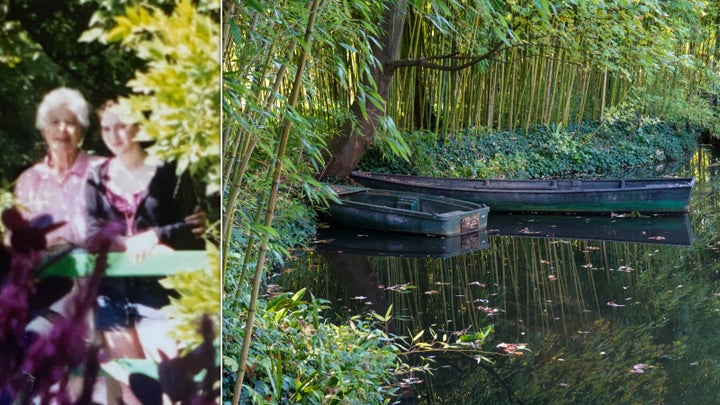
(79,264)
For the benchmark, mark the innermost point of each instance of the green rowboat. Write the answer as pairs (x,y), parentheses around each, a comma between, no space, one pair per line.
(411,213)
(657,196)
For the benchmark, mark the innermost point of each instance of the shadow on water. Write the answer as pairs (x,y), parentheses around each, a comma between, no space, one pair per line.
(612,310)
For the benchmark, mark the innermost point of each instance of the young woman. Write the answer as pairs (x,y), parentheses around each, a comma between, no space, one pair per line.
(145,198)
(153,209)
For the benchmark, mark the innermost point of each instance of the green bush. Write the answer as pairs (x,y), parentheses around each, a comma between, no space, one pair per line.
(544,152)
(299,357)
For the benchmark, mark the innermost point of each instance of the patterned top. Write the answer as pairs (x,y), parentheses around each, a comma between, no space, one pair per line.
(40,190)
(162,208)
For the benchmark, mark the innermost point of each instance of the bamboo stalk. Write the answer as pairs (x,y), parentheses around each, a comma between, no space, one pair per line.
(270,212)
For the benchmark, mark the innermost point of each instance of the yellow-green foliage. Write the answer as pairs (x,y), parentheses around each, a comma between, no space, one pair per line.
(7,199)
(199,294)
(180,88)
(176,99)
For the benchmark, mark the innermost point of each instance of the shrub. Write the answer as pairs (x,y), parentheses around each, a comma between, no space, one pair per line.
(299,357)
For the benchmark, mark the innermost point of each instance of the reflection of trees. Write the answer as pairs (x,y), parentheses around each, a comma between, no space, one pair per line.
(583,350)
(561,317)
(360,281)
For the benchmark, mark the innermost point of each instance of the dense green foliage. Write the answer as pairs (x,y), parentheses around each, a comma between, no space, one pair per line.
(300,357)
(480,89)
(544,152)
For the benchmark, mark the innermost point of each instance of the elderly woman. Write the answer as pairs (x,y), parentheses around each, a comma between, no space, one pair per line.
(56,185)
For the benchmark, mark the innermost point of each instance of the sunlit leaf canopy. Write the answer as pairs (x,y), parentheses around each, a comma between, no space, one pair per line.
(179,91)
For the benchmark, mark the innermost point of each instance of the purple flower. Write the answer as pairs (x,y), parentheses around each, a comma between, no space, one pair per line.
(38,366)
(28,236)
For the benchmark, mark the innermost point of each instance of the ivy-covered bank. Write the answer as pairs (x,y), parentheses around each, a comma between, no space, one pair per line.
(644,145)
(299,354)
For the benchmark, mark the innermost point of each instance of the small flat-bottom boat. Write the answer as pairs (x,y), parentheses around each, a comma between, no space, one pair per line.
(659,196)
(399,211)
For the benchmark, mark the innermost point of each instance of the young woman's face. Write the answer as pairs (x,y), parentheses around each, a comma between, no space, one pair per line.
(62,131)
(118,136)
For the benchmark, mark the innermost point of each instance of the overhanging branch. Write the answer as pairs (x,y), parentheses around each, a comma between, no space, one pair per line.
(426,61)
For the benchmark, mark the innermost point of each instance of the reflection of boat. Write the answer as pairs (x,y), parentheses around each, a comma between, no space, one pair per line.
(668,195)
(667,230)
(405,212)
(378,243)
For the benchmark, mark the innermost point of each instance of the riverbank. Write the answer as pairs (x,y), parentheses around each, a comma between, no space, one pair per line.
(641,148)
(284,362)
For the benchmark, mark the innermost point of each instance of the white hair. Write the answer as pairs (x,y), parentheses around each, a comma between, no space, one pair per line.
(72,99)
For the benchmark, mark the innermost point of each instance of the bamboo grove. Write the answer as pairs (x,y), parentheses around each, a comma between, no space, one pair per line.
(298,75)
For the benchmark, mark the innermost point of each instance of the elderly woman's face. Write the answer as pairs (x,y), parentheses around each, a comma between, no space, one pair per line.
(62,131)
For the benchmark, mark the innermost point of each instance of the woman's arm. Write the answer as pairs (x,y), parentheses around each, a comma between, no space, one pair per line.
(95,214)
(167,211)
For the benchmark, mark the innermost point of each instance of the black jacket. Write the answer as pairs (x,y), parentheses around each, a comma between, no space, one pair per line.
(163,207)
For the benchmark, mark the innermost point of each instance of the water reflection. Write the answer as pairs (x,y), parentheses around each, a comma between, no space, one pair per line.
(607,320)
(665,230)
(377,243)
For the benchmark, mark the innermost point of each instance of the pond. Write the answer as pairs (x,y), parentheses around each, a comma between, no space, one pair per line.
(582,310)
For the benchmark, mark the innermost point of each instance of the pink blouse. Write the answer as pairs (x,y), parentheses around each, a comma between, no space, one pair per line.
(40,190)
(126,207)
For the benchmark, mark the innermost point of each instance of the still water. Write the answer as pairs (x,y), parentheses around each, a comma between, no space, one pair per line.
(583,310)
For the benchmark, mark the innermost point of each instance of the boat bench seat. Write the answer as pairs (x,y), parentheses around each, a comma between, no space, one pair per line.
(516,185)
(511,186)
(408,203)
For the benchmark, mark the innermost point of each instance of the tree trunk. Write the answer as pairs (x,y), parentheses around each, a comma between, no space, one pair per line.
(345,150)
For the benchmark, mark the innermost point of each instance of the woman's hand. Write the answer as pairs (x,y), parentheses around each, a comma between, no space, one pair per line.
(140,245)
(197,220)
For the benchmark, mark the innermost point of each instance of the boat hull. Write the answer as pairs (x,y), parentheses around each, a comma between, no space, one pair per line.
(411,213)
(661,196)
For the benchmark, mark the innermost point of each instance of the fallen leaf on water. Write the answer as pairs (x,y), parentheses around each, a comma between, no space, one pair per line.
(640,368)
(399,287)
(512,348)
(488,310)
